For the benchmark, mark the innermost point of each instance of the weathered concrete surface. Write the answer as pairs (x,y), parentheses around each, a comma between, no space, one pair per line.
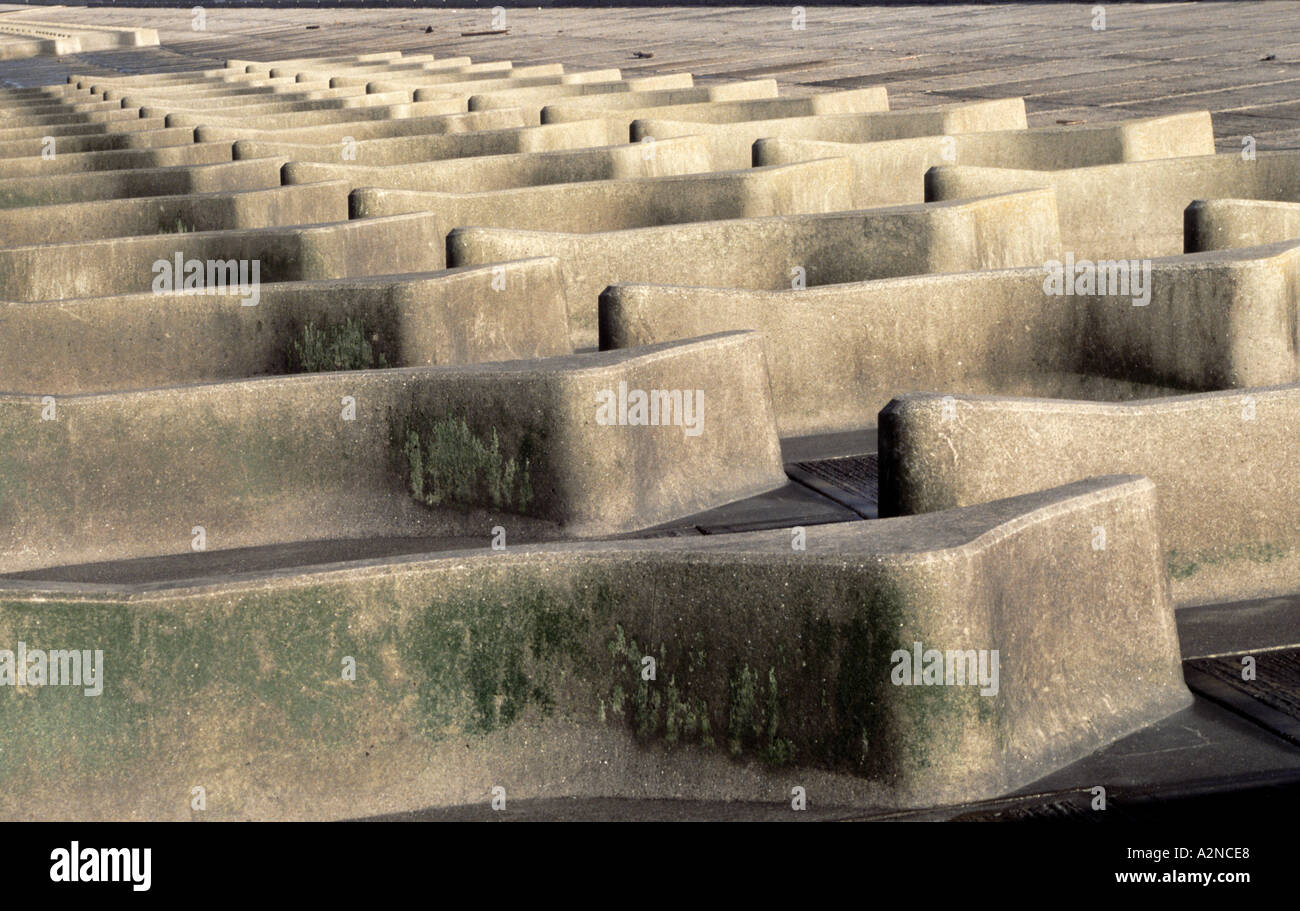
(182,213)
(1222,224)
(838,353)
(261,174)
(1229,533)
(685,155)
(390,109)
(1135,208)
(505,139)
(69,162)
(731,143)
(279,460)
(22,37)
(618,204)
(121,265)
(98,142)
(855,101)
(766,253)
(893,172)
(523,670)
(604,97)
(143,124)
(360,131)
(510,311)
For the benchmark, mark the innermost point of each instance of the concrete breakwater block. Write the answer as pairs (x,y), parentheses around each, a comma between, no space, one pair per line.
(838,353)
(1227,534)
(616,204)
(1222,224)
(731,142)
(305,204)
(580,445)
(259,174)
(162,262)
(415,147)
(97,142)
(523,669)
(890,172)
(502,312)
(1134,208)
(779,252)
(332,134)
(685,155)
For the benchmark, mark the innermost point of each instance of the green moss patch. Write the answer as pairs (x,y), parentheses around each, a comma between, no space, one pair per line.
(446,463)
(345,345)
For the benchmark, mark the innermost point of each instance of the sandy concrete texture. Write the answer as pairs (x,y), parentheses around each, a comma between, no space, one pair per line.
(892,172)
(502,312)
(838,353)
(117,475)
(1228,534)
(1136,208)
(768,253)
(523,669)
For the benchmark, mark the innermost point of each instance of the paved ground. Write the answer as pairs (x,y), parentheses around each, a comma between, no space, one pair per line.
(1150,58)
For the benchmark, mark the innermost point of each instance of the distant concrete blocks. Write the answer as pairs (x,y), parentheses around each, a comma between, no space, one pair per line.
(21,38)
(1228,515)
(1135,208)
(892,172)
(917,661)
(838,353)
(781,251)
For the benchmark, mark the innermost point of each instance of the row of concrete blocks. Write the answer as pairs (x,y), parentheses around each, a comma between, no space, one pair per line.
(287,458)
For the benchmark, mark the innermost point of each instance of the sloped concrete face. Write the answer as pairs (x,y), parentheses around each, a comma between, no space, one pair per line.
(186,212)
(835,704)
(1222,224)
(1228,534)
(1009,332)
(340,454)
(169,262)
(778,252)
(626,203)
(893,172)
(731,142)
(1135,208)
(511,311)
(687,155)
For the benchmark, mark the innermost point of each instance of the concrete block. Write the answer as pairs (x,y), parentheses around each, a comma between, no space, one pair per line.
(278,460)
(121,265)
(1135,208)
(893,172)
(777,252)
(504,312)
(732,142)
(838,353)
(1014,580)
(260,174)
(1220,462)
(687,155)
(182,213)
(1222,224)
(301,140)
(410,147)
